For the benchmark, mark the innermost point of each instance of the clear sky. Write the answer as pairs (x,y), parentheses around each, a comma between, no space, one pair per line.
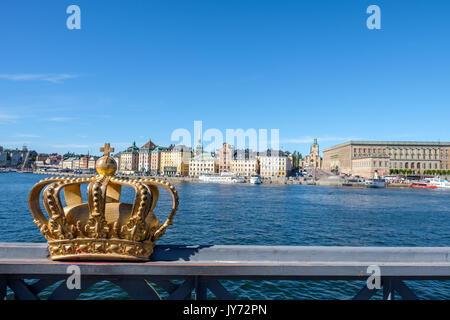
(141,69)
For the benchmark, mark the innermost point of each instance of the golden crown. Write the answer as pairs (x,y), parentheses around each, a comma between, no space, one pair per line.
(101,228)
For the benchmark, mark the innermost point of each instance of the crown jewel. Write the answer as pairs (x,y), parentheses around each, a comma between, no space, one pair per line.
(101,228)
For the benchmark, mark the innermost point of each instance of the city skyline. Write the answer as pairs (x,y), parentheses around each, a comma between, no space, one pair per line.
(138,72)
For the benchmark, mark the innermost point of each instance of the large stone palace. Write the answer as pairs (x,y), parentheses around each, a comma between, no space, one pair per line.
(365,158)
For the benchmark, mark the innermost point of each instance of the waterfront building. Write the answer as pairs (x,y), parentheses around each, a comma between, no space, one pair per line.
(144,162)
(91,162)
(53,160)
(365,158)
(68,163)
(42,157)
(4,159)
(313,160)
(129,159)
(84,162)
(275,164)
(445,150)
(76,164)
(16,158)
(225,157)
(155,160)
(245,163)
(203,163)
(175,160)
(245,167)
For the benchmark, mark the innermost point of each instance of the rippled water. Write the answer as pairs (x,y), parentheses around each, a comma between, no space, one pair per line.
(274,215)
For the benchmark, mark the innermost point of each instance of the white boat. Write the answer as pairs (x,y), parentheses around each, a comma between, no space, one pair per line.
(221,179)
(440,183)
(255,180)
(375,183)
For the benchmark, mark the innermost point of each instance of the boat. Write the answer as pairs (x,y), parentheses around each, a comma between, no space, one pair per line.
(221,179)
(423,185)
(255,180)
(439,183)
(375,183)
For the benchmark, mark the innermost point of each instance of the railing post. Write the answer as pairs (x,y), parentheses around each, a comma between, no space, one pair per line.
(3,289)
(388,288)
(200,288)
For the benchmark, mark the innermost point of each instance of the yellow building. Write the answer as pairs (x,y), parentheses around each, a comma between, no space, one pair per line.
(155,160)
(277,164)
(175,160)
(245,167)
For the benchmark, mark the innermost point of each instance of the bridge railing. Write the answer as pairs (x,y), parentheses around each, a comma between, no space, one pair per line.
(201,268)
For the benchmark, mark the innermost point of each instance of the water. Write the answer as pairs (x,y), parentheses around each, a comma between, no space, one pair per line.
(273,215)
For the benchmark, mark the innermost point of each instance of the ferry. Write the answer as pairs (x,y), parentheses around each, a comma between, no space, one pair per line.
(255,180)
(221,179)
(375,183)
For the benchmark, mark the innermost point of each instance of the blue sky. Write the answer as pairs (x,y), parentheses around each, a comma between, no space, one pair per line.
(141,69)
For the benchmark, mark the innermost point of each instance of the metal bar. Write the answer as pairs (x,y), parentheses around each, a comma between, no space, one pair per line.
(269,262)
(41,284)
(3,289)
(183,291)
(219,290)
(404,291)
(21,290)
(365,293)
(62,292)
(388,288)
(167,285)
(138,289)
(201,289)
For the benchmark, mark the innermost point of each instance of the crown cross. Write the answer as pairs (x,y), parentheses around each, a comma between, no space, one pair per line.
(107,149)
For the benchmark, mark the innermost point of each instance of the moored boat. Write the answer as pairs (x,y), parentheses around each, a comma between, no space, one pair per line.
(423,185)
(221,179)
(375,183)
(255,180)
(439,183)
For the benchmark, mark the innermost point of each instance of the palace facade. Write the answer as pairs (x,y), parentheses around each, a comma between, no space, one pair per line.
(365,158)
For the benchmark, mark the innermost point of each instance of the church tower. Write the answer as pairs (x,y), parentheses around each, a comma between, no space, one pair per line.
(315,148)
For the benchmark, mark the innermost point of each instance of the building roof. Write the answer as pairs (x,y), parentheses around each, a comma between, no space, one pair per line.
(205,156)
(149,145)
(132,149)
(159,149)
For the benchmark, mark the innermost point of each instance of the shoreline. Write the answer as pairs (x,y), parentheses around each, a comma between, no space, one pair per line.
(278,181)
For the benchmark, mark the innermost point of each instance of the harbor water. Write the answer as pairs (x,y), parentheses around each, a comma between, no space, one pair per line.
(297,215)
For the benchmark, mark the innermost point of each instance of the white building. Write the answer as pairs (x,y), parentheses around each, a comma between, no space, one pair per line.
(144,162)
(203,163)
(276,164)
